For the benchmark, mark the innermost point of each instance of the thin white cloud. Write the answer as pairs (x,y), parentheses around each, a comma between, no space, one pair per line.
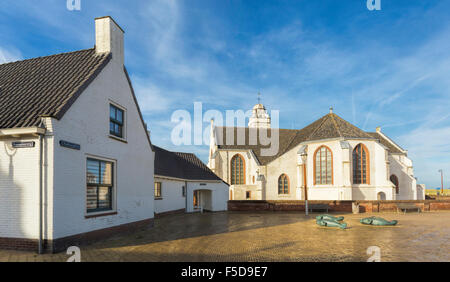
(9,55)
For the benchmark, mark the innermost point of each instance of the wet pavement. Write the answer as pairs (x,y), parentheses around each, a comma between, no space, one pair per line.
(269,236)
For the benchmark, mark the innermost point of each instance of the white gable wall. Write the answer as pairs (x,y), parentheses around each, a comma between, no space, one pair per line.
(87,123)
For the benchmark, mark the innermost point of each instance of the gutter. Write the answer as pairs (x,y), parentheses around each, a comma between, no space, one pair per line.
(17,132)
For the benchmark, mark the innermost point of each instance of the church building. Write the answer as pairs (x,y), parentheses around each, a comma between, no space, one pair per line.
(330,159)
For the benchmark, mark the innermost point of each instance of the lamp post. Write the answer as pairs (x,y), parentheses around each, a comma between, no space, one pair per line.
(442,181)
(304,156)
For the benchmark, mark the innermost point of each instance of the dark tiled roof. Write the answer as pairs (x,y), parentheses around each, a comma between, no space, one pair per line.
(45,86)
(181,165)
(286,137)
(328,126)
(392,149)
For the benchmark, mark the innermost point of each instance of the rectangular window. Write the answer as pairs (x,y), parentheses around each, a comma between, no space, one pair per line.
(248,195)
(158,193)
(183,191)
(116,121)
(99,176)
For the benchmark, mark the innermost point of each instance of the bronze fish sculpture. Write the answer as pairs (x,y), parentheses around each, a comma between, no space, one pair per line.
(377,221)
(331,223)
(329,217)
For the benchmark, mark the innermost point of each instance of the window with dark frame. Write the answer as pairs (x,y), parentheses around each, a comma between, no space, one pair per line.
(248,195)
(158,190)
(99,176)
(183,191)
(237,170)
(283,184)
(360,165)
(323,166)
(116,121)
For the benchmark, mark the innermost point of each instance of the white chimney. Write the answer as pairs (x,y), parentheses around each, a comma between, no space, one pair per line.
(109,38)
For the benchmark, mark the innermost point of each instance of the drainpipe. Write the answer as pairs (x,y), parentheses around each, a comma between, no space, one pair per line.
(186,196)
(40,250)
(41,164)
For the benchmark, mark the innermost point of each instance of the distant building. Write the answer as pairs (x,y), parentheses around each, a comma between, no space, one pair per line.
(183,183)
(343,162)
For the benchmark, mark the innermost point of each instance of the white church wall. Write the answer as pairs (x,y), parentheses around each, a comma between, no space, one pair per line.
(223,170)
(407,183)
(285,164)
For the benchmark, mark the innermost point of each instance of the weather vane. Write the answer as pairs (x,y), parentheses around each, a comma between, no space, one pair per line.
(259,98)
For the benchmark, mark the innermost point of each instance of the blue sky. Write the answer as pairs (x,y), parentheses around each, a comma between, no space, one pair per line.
(388,68)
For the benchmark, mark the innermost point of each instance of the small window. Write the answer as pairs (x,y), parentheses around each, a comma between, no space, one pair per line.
(116,121)
(99,185)
(248,195)
(158,193)
(183,191)
(283,184)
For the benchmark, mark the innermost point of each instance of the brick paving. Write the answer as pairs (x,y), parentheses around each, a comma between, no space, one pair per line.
(268,236)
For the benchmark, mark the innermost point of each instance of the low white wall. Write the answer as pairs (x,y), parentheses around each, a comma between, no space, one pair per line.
(329,193)
(371,193)
(172,196)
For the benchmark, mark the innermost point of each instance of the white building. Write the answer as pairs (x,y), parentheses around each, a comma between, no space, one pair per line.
(76,161)
(183,183)
(336,160)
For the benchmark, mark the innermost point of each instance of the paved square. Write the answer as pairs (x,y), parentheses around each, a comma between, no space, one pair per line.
(269,236)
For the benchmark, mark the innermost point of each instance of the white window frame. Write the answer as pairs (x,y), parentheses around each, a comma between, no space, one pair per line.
(114,187)
(125,119)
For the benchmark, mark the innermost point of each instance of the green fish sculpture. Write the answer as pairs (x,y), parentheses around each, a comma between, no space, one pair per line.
(377,221)
(331,223)
(329,217)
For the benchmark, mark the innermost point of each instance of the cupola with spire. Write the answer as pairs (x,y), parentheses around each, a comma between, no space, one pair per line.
(260,118)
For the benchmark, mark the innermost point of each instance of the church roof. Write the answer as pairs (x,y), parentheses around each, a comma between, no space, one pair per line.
(181,165)
(45,86)
(327,127)
(394,149)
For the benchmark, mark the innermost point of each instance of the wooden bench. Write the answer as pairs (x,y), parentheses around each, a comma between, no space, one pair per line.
(406,207)
(318,207)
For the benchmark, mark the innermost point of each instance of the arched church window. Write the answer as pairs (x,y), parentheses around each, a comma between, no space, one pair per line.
(323,166)
(283,184)
(394,180)
(237,170)
(361,165)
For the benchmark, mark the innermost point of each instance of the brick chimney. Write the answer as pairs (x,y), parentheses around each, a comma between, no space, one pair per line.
(109,38)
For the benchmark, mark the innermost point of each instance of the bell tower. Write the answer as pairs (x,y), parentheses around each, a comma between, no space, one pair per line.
(260,118)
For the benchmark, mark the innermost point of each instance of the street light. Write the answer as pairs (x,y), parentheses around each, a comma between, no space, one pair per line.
(442,181)
(304,156)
